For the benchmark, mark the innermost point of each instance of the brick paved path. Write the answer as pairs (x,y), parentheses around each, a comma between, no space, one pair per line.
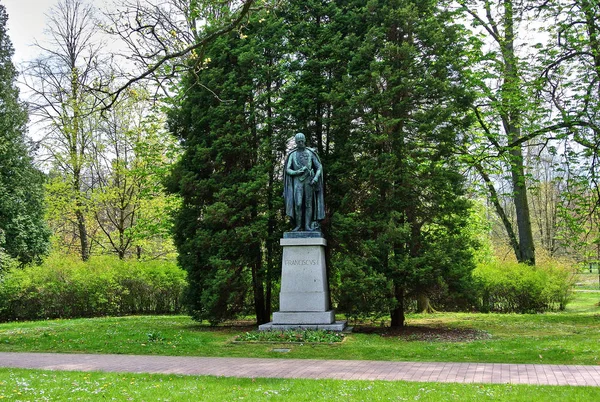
(539,374)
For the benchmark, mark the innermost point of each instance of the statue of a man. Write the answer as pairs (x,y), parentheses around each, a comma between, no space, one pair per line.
(303,186)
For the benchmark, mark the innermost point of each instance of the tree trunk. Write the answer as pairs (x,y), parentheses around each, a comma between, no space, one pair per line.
(259,295)
(511,119)
(397,315)
(526,246)
(258,271)
(83,237)
(424,304)
(270,241)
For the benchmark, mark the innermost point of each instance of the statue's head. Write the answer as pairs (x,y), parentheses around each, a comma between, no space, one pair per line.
(300,140)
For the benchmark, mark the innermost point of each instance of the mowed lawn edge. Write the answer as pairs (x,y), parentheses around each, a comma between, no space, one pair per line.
(568,337)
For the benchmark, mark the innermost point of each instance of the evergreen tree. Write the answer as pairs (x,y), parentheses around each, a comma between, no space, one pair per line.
(403,221)
(23,233)
(323,38)
(227,226)
(376,87)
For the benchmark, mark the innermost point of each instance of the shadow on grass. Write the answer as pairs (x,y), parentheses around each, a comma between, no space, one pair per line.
(426,333)
(225,327)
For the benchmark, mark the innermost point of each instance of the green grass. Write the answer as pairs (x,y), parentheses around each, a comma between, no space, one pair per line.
(587,280)
(584,301)
(29,385)
(569,337)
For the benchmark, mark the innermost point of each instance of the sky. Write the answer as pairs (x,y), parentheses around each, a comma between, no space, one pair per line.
(26,21)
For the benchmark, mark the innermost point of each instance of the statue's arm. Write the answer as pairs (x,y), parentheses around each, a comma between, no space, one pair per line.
(290,171)
(319,171)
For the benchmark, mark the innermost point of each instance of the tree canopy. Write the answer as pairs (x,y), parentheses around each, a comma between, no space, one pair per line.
(442,125)
(23,231)
(386,115)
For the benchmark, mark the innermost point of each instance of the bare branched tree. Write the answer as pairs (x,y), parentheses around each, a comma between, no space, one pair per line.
(165,38)
(59,81)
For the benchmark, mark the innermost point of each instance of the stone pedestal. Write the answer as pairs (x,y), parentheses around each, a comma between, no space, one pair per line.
(304,296)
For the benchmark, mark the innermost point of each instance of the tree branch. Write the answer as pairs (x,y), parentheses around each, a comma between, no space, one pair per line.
(114,95)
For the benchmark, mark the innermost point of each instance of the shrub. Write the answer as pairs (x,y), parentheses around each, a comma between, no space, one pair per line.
(292,335)
(66,287)
(513,287)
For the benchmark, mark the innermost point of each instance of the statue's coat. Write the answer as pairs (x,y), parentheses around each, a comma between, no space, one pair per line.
(288,190)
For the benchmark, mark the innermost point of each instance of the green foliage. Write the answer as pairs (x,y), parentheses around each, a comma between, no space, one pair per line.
(521,288)
(225,230)
(399,192)
(6,261)
(64,287)
(311,336)
(361,292)
(24,235)
(124,207)
(129,202)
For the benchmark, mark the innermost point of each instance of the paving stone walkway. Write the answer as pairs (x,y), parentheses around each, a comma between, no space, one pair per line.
(538,374)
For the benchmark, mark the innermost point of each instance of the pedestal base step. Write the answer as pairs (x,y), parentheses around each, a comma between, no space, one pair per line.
(304,317)
(337,326)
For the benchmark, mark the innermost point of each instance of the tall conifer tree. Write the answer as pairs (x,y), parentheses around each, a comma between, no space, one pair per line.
(23,232)
(406,209)
(375,86)
(226,228)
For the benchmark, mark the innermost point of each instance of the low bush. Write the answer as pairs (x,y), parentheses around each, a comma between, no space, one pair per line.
(308,335)
(65,287)
(520,288)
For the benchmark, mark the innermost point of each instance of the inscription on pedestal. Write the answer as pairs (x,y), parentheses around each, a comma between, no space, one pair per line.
(303,277)
(301,262)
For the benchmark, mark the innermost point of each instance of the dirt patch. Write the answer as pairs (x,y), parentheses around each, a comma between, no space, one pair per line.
(427,334)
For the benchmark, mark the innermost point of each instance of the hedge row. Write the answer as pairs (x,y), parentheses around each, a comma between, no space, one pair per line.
(519,288)
(64,287)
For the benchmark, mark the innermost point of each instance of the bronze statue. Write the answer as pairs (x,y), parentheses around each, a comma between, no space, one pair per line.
(303,187)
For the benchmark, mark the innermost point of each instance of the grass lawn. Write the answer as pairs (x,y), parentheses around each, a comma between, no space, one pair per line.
(36,385)
(588,280)
(569,337)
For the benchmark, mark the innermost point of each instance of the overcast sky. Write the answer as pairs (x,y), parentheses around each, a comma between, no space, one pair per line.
(26,21)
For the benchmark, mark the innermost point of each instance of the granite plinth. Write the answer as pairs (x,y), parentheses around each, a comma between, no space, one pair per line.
(304,295)
(303,276)
(337,326)
(304,317)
